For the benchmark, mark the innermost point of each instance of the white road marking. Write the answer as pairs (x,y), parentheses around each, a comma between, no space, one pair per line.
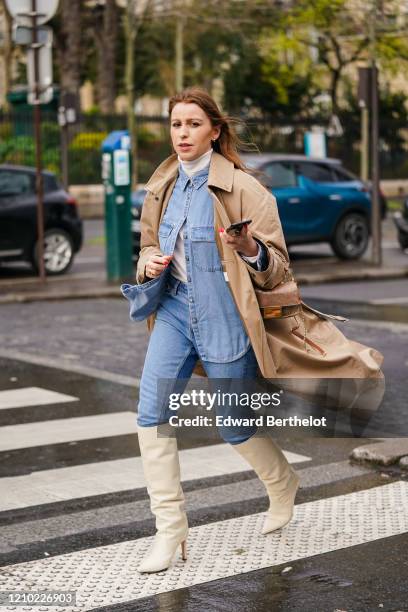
(32,396)
(105,575)
(391,300)
(68,366)
(57,431)
(46,486)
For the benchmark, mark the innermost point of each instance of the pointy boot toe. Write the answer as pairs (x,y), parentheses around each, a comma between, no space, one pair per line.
(279,479)
(281,510)
(161,553)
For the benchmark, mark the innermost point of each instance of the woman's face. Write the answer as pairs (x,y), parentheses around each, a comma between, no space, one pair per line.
(191,130)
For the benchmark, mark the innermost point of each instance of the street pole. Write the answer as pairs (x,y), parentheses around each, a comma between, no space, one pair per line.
(64,150)
(179,48)
(376,255)
(37,129)
(130,31)
(365,143)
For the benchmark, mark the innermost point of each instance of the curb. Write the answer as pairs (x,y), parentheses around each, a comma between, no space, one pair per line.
(112,291)
(349,275)
(385,453)
(104,292)
(395,313)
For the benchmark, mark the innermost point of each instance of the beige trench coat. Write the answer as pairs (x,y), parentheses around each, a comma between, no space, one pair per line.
(278,343)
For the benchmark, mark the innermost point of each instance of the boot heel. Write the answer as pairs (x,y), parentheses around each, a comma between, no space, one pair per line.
(184,551)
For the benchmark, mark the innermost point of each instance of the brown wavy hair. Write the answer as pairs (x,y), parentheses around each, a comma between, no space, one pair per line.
(228,141)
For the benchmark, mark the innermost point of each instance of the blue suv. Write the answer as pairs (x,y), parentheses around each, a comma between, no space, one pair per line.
(318,201)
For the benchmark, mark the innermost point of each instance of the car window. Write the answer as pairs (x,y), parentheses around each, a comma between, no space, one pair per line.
(50,183)
(342,175)
(280,174)
(15,183)
(316,172)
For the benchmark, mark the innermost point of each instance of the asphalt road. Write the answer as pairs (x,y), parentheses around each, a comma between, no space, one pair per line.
(74,512)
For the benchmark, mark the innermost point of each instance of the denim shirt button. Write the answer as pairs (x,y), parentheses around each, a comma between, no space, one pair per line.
(185,235)
(190,299)
(194,320)
(187,258)
(188,278)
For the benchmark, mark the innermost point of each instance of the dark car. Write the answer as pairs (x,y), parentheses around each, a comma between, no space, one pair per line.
(400,218)
(137,203)
(318,201)
(18,220)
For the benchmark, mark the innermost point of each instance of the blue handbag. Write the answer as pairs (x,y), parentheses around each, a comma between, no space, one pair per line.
(145,298)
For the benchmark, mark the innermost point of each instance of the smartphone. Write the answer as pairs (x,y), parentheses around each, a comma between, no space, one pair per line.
(235,228)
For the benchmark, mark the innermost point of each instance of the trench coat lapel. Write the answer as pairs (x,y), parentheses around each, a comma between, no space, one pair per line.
(242,289)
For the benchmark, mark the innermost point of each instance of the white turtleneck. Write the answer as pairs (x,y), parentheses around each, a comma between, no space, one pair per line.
(178,262)
(193,166)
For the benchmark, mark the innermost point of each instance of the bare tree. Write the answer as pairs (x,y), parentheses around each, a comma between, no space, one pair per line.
(106,38)
(6,54)
(133,18)
(68,44)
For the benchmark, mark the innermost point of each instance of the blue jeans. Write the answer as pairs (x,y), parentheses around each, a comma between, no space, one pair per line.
(171,356)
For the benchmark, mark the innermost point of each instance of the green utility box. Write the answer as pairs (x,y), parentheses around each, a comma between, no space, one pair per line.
(116,176)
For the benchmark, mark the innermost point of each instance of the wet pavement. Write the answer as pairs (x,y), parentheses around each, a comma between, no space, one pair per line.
(86,496)
(74,511)
(99,334)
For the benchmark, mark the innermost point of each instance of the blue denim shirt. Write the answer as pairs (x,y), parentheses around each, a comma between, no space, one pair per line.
(217,326)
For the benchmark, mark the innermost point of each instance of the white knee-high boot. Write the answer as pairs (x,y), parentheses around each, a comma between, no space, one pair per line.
(280,480)
(161,468)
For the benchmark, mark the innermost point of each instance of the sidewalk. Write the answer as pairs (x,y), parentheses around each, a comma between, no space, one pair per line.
(94,284)
(312,266)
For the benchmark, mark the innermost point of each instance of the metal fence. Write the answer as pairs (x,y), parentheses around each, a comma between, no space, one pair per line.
(85,137)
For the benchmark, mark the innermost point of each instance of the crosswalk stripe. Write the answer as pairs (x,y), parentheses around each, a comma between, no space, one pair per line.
(108,575)
(32,396)
(57,431)
(47,486)
(36,529)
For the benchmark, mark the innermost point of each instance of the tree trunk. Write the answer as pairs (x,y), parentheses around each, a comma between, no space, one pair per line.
(6,53)
(106,35)
(335,78)
(68,45)
(130,34)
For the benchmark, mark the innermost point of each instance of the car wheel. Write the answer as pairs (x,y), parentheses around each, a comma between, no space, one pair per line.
(403,240)
(58,252)
(350,237)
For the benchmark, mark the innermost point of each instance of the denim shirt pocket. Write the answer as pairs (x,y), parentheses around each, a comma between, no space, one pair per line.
(204,248)
(165,231)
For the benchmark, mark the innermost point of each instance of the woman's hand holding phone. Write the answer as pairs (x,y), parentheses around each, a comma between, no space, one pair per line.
(243,242)
(156,264)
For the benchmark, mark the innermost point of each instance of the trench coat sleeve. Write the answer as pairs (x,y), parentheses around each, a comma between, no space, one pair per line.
(149,244)
(260,205)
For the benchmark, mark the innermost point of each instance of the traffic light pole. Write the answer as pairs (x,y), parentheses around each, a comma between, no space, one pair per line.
(37,130)
(376,254)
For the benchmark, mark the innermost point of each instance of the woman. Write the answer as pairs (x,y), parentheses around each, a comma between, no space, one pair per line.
(201,318)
